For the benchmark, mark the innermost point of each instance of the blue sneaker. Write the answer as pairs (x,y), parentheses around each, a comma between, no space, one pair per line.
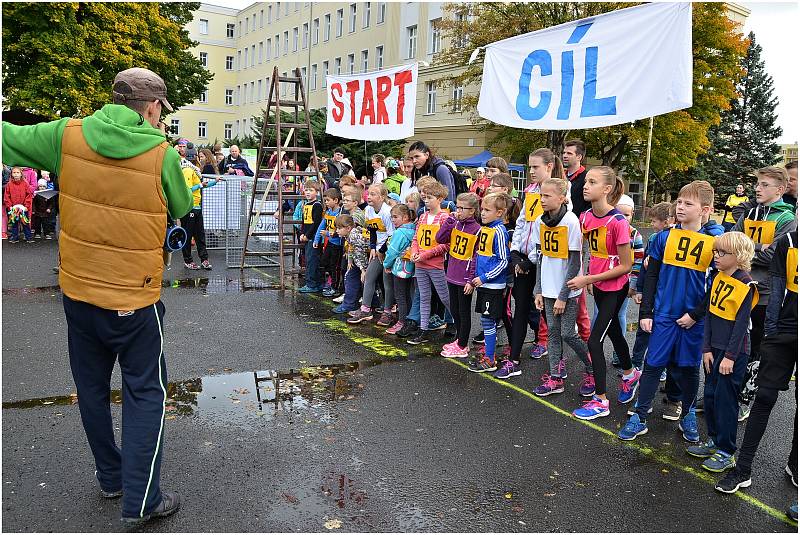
(482,365)
(507,370)
(328,292)
(309,290)
(704,450)
(633,428)
(341,309)
(538,351)
(435,323)
(792,512)
(628,387)
(719,462)
(594,408)
(688,424)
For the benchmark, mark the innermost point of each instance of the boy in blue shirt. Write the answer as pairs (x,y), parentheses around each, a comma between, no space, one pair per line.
(673,307)
(331,258)
(491,272)
(312,217)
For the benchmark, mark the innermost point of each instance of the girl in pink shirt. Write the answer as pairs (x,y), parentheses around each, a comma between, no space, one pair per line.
(610,261)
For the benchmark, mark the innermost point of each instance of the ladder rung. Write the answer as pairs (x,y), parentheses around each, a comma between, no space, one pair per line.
(295,103)
(289,79)
(296,126)
(291,149)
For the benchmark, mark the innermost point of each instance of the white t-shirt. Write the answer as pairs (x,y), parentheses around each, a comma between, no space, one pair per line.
(554,270)
(379,175)
(406,189)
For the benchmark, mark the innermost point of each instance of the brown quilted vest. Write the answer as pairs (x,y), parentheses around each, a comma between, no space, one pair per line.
(113,220)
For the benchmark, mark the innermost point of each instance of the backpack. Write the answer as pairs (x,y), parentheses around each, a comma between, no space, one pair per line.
(459,181)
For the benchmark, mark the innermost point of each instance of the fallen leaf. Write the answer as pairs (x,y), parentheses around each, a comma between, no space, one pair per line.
(290,498)
(170,417)
(549,494)
(48,402)
(333,523)
(665,471)
(508,495)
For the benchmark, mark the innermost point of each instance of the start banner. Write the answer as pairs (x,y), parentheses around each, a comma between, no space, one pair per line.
(600,71)
(374,106)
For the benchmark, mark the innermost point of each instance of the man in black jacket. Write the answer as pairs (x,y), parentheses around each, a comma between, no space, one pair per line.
(337,168)
(235,162)
(572,157)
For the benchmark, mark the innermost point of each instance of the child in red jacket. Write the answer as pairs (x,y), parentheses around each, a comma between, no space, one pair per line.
(17,202)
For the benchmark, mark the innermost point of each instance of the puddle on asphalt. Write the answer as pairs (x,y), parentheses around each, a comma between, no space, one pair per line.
(342,490)
(239,397)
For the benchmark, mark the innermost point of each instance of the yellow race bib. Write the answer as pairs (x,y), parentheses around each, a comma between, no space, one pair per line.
(727,296)
(330,223)
(486,241)
(376,223)
(791,269)
(462,244)
(762,232)
(426,237)
(533,206)
(308,214)
(365,233)
(688,249)
(554,241)
(597,242)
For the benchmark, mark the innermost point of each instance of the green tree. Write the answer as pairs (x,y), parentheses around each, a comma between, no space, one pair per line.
(678,137)
(60,59)
(745,138)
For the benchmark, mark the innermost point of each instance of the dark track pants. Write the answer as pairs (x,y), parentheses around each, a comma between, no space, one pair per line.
(97,338)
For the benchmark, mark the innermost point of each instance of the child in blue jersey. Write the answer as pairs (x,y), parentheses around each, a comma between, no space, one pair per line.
(673,308)
(312,218)
(491,270)
(331,258)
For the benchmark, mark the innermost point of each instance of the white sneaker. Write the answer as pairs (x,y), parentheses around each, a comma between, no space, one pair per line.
(339,299)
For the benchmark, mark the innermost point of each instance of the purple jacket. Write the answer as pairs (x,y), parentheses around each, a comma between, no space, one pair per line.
(458,271)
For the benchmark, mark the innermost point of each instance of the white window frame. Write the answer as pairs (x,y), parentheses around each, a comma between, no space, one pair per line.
(381,17)
(261,19)
(337,65)
(261,52)
(305,36)
(379,57)
(246,56)
(304,75)
(238,60)
(353,18)
(435,39)
(252,92)
(364,60)
(260,89)
(430,98)
(325,72)
(286,9)
(253,56)
(229,97)
(203,26)
(286,43)
(203,99)
(246,25)
(175,126)
(351,63)
(411,41)
(230,30)
(315,32)
(278,12)
(269,14)
(295,38)
(367,14)
(326,28)
(240,28)
(202,129)
(229,61)
(227,130)
(277,46)
(458,98)
(204,59)
(313,81)
(268,51)
(339,22)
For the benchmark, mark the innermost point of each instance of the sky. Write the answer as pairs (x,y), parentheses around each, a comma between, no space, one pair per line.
(776,27)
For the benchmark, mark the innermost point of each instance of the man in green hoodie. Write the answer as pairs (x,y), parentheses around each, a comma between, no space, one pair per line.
(764,221)
(119,180)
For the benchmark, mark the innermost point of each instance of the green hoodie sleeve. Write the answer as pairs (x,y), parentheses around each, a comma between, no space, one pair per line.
(36,146)
(179,197)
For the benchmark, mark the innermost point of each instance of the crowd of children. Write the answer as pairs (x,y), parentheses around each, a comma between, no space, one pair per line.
(30,204)
(418,263)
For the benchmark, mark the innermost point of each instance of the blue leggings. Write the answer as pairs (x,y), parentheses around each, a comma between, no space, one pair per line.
(490,336)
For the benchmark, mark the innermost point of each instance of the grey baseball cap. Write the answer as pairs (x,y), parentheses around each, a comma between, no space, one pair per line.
(141,84)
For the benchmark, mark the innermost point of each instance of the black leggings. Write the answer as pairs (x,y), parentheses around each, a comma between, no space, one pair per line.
(193,224)
(606,322)
(461,310)
(757,318)
(757,424)
(402,294)
(523,306)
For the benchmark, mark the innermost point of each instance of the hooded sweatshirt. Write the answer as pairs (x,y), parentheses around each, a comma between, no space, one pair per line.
(459,270)
(115,131)
(782,214)
(17,192)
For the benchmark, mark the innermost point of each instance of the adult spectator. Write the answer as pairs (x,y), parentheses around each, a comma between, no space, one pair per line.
(336,168)
(734,200)
(572,157)
(426,163)
(181,146)
(790,197)
(110,259)
(191,152)
(235,164)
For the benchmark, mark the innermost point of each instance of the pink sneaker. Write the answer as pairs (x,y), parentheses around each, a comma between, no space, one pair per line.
(587,385)
(449,346)
(394,329)
(454,351)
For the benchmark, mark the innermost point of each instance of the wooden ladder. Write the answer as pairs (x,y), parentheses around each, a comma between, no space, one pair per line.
(286,181)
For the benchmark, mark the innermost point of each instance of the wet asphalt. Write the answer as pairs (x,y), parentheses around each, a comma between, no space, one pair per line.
(283,418)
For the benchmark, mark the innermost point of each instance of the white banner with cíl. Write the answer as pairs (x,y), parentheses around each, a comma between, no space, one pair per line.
(600,71)
(373,106)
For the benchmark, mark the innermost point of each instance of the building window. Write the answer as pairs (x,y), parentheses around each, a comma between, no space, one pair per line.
(227,131)
(252,92)
(277,14)
(175,126)
(379,57)
(295,38)
(364,60)
(314,77)
(229,30)
(269,14)
(269,50)
(351,63)
(204,59)
(261,52)
(203,26)
(325,72)
(253,56)
(381,12)
(337,65)
(435,44)
(240,28)
(246,24)
(261,19)
(296,7)
(339,22)
(277,46)
(239,60)
(286,42)
(304,76)
(246,56)
(204,96)
(352,18)
(430,98)
(254,22)
(286,9)
(229,97)
(201,129)
(284,85)
(244,94)
(260,89)
(458,95)
(411,41)
(326,31)
(237,127)
(367,13)
(305,36)
(460,42)
(228,63)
